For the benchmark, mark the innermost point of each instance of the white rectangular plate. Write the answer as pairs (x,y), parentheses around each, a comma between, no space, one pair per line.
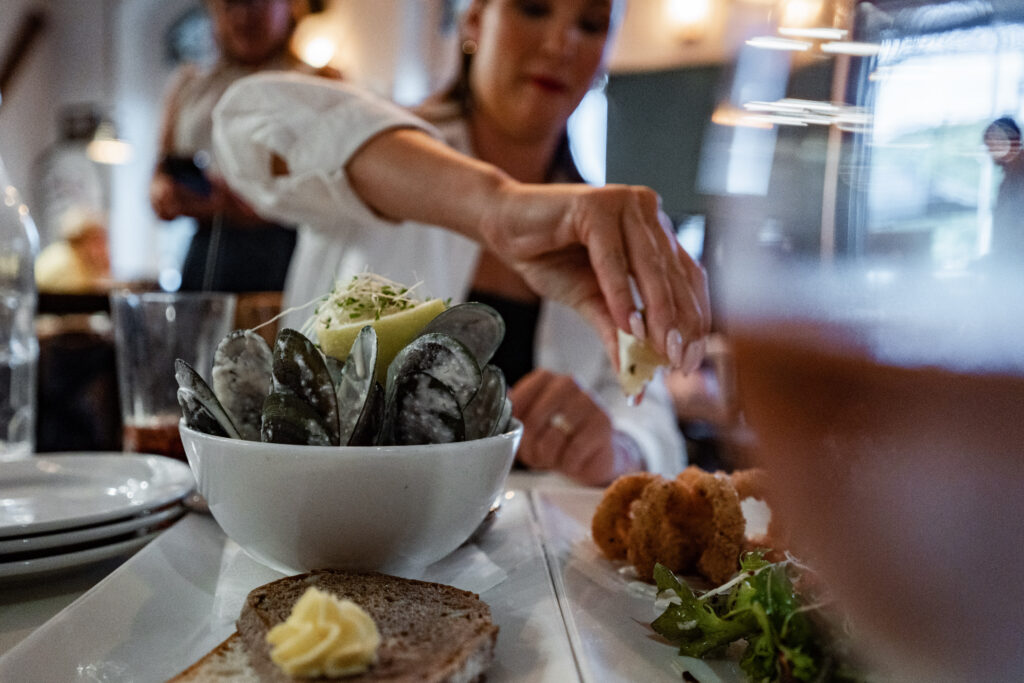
(178,597)
(607,614)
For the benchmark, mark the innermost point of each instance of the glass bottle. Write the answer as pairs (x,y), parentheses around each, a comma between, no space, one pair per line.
(19,348)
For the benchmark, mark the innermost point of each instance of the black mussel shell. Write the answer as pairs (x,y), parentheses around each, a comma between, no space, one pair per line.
(368,428)
(242,379)
(354,384)
(479,327)
(442,357)
(287,418)
(299,368)
(483,413)
(424,411)
(199,406)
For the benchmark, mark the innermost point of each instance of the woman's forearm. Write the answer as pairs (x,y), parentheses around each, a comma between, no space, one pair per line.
(406,175)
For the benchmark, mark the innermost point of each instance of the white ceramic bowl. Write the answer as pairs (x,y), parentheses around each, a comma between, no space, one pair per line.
(387,508)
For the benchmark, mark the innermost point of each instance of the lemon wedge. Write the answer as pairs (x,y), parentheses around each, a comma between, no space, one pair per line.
(369,299)
(638,362)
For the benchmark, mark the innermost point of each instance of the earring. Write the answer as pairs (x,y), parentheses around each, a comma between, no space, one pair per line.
(469,47)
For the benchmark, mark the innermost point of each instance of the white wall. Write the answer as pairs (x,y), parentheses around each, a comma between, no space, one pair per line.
(28,116)
(647,40)
(142,246)
(393,47)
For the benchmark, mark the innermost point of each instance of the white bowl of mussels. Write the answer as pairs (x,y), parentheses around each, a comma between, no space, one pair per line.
(308,462)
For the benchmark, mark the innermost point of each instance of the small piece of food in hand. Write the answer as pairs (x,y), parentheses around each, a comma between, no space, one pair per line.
(638,362)
(390,308)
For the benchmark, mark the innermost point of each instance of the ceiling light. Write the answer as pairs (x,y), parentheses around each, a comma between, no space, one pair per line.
(801,12)
(773,43)
(106,148)
(726,115)
(688,19)
(853,48)
(318,51)
(821,33)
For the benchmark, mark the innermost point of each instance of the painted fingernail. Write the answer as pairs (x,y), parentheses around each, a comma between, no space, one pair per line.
(633,400)
(674,347)
(693,357)
(636,325)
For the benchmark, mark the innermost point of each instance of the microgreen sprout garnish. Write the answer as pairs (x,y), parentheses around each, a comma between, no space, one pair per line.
(787,639)
(366,296)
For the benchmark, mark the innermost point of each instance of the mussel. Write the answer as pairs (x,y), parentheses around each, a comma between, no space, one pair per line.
(477,326)
(199,406)
(483,414)
(442,357)
(358,413)
(287,418)
(299,369)
(439,388)
(424,410)
(242,378)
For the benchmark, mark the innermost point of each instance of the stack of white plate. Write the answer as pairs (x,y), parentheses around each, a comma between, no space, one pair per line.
(61,512)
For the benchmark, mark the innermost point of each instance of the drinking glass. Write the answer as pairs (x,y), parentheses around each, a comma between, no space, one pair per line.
(151,331)
(864,244)
(888,410)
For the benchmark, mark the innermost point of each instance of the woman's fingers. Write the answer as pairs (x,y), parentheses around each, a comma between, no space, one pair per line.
(525,392)
(563,427)
(592,248)
(672,313)
(698,279)
(601,230)
(593,466)
(535,401)
(630,241)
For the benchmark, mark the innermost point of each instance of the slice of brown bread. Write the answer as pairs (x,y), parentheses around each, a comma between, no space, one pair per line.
(229,661)
(430,632)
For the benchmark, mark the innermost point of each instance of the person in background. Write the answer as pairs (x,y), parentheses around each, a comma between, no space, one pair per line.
(361,166)
(79,261)
(233,249)
(1003,140)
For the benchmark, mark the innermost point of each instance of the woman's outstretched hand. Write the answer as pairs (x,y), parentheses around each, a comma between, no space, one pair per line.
(580,245)
(573,243)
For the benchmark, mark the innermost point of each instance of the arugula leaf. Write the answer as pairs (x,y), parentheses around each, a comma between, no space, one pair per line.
(693,623)
(761,606)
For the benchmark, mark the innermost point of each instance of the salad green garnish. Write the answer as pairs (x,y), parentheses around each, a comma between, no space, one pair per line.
(786,638)
(366,296)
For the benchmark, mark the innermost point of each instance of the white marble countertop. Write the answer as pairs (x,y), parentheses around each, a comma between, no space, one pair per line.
(565,613)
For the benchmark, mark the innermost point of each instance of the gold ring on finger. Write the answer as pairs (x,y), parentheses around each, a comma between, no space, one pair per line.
(562,424)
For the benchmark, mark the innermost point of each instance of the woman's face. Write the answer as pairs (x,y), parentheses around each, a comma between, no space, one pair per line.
(251,31)
(535,60)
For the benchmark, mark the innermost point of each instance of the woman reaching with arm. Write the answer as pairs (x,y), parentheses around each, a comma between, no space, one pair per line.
(350,167)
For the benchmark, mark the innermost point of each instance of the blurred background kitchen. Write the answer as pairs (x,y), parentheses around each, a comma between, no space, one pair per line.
(834,126)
